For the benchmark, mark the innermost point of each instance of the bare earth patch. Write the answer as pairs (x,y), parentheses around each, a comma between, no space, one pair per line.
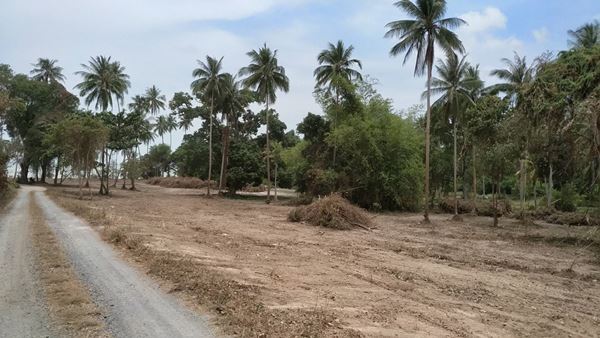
(69,303)
(237,257)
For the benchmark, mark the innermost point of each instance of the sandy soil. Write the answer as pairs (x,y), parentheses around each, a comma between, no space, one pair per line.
(402,279)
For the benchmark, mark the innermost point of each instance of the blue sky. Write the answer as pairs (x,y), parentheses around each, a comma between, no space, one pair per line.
(158,41)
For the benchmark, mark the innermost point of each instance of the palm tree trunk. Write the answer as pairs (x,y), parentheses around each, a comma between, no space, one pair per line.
(474,179)
(56,170)
(275,187)
(224,156)
(455,172)
(210,144)
(549,188)
(427,141)
(268,157)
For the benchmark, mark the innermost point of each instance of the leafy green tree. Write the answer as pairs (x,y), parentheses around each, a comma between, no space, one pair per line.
(47,71)
(80,139)
(182,107)
(208,87)
(427,28)
(586,36)
(158,160)
(266,77)
(245,165)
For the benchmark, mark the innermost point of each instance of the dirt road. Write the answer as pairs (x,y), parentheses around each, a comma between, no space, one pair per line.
(132,304)
(22,310)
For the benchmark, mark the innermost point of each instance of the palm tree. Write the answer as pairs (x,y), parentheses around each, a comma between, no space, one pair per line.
(233,103)
(103,79)
(161,127)
(586,36)
(186,124)
(265,76)
(454,85)
(335,63)
(139,103)
(476,86)
(515,76)
(47,71)
(154,100)
(171,125)
(208,87)
(420,35)
(147,134)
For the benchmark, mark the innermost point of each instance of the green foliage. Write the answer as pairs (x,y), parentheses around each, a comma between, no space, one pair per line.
(245,165)
(157,161)
(567,199)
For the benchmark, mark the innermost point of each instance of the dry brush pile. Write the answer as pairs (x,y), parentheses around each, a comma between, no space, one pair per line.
(334,212)
(180,182)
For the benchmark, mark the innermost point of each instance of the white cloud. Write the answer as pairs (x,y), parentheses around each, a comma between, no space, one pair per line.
(486,20)
(540,35)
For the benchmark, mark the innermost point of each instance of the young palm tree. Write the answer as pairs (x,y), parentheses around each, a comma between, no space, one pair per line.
(265,76)
(154,100)
(515,76)
(419,36)
(147,134)
(454,85)
(161,127)
(171,125)
(586,36)
(336,62)
(139,103)
(47,71)
(103,79)
(208,86)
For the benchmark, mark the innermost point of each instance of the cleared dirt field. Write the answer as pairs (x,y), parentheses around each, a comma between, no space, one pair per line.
(402,279)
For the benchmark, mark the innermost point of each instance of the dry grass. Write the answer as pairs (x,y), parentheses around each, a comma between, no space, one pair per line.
(331,212)
(180,182)
(69,303)
(482,207)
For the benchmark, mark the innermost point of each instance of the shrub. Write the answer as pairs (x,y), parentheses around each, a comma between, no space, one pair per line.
(333,211)
(180,182)
(567,199)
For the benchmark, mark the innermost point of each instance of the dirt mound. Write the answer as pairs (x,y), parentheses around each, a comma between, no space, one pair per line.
(180,182)
(331,212)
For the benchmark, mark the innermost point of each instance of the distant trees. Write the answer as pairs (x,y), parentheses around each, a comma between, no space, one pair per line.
(47,71)
(419,36)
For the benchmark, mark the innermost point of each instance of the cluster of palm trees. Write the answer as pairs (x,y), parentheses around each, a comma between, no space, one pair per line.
(261,80)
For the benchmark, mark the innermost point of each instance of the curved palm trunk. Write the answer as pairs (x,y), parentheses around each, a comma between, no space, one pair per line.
(210,157)
(427,141)
(268,158)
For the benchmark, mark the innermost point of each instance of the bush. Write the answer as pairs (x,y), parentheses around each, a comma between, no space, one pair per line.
(567,200)
(180,182)
(331,212)
(464,206)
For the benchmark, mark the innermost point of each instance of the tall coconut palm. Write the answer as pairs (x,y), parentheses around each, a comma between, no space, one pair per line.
(515,76)
(103,79)
(419,36)
(233,103)
(208,86)
(586,36)
(335,63)
(147,134)
(154,100)
(161,127)
(47,71)
(476,87)
(453,84)
(171,125)
(266,77)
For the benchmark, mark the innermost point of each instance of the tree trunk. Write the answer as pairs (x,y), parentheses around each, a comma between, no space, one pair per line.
(474,179)
(275,187)
(268,157)
(224,155)
(44,171)
(427,141)
(549,188)
(24,170)
(210,145)
(455,172)
(495,202)
(522,185)
(56,170)
(534,193)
